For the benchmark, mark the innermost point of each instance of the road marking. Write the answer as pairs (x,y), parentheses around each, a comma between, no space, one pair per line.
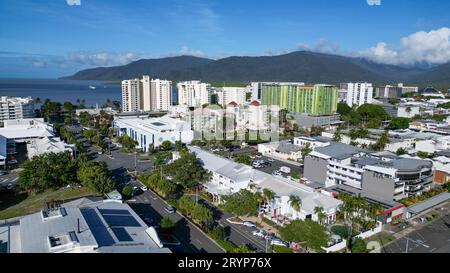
(15,179)
(5,180)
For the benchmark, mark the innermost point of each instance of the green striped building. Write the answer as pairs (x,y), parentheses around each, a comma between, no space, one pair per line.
(317,100)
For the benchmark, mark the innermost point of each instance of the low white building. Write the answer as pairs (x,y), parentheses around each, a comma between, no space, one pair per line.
(82,226)
(154,131)
(281,150)
(229,177)
(19,131)
(41,146)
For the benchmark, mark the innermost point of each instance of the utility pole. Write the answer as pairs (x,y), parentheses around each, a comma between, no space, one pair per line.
(135,163)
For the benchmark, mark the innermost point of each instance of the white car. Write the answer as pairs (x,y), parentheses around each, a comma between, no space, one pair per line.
(276,173)
(144,188)
(278,242)
(169,210)
(260,233)
(249,224)
(270,159)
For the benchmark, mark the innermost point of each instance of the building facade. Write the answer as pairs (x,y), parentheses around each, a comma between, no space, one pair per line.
(146,95)
(225,95)
(154,131)
(317,100)
(194,93)
(358,93)
(387,177)
(16,108)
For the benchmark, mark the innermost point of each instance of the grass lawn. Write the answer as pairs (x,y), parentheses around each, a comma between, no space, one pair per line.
(18,204)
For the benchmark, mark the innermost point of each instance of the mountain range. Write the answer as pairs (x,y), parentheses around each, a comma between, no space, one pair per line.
(299,66)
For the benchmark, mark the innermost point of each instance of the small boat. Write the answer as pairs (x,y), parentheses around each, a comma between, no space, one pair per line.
(92,87)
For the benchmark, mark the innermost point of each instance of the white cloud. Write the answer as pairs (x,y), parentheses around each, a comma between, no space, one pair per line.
(187,51)
(431,47)
(73,2)
(101,58)
(374,2)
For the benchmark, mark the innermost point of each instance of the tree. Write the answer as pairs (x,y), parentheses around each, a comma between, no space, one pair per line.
(269,195)
(316,130)
(127,191)
(178,146)
(401,151)
(243,159)
(343,109)
(359,246)
(242,249)
(167,224)
(187,170)
(371,111)
(337,135)
(128,144)
(241,203)
(96,177)
(305,150)
(295,202)
(166,145)
(308,233)
(399,123)
(422,154)
(47,171)
(321,216)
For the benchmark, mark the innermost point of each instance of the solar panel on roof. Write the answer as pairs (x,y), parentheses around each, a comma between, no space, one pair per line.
(121,234)
(97,227)
(121,221)
(114,211)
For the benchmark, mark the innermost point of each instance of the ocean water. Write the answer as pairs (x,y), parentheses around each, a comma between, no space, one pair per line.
(62,90)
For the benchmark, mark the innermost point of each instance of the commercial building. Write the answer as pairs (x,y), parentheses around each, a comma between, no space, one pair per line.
(431,92)
(16,108)
(357,93)
(194,93)
(15,135)
(82,226)
(319,99)
(146,95)
(154,131)
(390,91)
(229,177)
(307,121)
(386,176)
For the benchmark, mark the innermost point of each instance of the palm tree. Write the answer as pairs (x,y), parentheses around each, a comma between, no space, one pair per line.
(295,202)
(37,100)
(320,214)
(269,195)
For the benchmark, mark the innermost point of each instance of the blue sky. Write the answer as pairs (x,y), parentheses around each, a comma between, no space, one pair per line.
(41,38)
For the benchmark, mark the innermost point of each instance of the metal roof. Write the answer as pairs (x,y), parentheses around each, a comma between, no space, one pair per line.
(430,203)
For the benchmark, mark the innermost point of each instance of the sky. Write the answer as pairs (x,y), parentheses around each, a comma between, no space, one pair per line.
(53,38)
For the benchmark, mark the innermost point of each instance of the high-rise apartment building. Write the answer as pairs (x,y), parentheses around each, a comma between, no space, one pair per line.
(390,91)
(146,95)
(225,95)
(131,95)
(357,93)
(193,93)
(319,99)
(16,108)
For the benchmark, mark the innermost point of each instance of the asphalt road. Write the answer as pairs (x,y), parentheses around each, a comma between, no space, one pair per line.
(433,238)
(10,178)
(149,205)
(276,165)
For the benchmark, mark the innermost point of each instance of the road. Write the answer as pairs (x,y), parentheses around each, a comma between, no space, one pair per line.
(10,178)
(193,240)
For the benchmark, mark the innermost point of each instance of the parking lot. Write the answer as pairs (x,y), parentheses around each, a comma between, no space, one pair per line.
(431,237)
(275,165)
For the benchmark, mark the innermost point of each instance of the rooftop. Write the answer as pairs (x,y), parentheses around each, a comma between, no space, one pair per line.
(430,203)
(85,226)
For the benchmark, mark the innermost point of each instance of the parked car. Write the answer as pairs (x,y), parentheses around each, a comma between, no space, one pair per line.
(2,173)
(270,159)
(249,224)
(278,242)
(169,209)
(276,173)
(285,169)
(144,188)
(259,233)
(12,161)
